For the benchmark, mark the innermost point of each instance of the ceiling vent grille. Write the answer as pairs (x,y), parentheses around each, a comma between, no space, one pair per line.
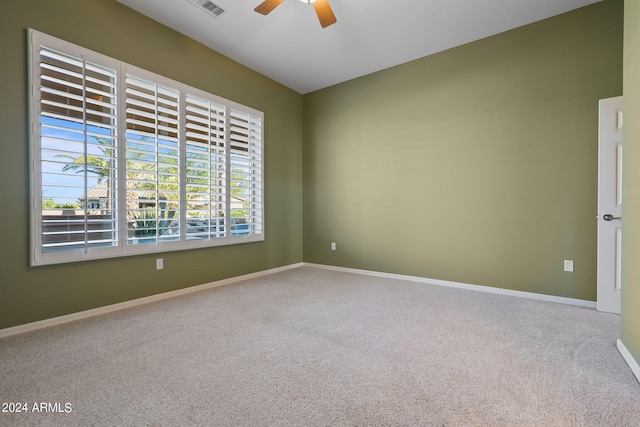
(210,7)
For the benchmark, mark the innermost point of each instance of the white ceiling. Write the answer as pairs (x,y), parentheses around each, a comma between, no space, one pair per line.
(289,46)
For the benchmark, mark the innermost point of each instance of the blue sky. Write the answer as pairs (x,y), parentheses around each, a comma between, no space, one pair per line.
(62,138)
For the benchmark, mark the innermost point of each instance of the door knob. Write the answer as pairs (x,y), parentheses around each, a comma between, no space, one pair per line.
(609,217)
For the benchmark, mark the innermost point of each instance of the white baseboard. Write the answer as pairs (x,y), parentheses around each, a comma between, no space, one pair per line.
(631,361)
(467,286)
(29,327)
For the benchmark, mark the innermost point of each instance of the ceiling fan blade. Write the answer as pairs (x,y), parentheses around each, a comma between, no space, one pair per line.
(267,6)
(324,12)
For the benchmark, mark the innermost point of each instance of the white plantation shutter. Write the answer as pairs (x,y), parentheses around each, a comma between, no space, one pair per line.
(205,168)
(153,161)
(245,163)
(126,162)
(76,206)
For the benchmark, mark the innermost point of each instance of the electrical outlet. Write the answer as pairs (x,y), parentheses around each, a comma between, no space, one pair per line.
(159,264)
(333,246)
(568,265)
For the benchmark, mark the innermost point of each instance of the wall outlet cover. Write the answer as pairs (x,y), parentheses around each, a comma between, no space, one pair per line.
(568,265)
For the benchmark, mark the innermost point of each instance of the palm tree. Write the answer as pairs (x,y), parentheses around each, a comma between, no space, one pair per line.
(98,165)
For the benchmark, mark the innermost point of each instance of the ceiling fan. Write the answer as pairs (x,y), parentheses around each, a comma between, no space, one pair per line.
(323,10)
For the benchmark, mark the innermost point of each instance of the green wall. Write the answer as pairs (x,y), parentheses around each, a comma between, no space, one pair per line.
(30,294)
(476,165)
(630,323)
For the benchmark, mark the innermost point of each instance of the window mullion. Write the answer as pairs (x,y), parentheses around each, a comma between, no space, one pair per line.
(121,157)
(212,176)
(227,170)
(157,171)
(182,167)
(86,155)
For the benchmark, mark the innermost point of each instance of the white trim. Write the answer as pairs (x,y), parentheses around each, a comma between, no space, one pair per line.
(41,324)
(631,361)
(122,78)
(55,321)
(467,286)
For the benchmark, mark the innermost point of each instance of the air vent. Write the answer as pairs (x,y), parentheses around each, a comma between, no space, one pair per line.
(210,7)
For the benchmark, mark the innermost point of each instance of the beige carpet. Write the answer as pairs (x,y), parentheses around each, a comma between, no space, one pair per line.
(316,347)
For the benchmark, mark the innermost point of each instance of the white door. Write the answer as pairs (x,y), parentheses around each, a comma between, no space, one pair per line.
(609,204)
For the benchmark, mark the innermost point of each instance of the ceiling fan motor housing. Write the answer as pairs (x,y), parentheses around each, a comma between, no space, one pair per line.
(322,8)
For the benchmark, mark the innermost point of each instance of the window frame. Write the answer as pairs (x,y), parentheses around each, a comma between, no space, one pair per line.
(123,247)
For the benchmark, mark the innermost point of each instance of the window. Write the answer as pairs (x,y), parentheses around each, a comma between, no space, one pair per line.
(127,162)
